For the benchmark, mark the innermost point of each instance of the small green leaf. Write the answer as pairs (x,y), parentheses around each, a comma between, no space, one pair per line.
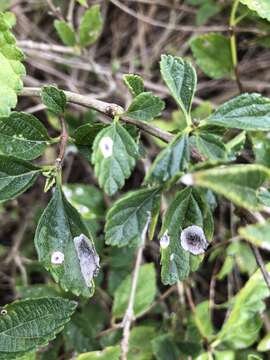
(16,176)
(257,234)
(83,2)
(242,327)
(181,79)
(90,26)
(238,183)
(11,67)
(138,347)
(144,296)
(213,55)
(114,156)
(165,348)
(145,107)
(23,135)
(109,353)
(170,161)
(85,134)
(264,344)
(247,112)
(185,210)
(261,7)
(128,218)
(32,323)
(65,32)
(54,99)
(210,146)
(206,11)
(134,83)
(57,229)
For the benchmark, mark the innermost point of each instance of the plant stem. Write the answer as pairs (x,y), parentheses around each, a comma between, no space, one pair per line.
(233,44)
(62,149)
(108,109)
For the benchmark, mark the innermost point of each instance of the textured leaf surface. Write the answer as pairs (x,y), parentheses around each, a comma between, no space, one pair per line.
(257,234)
(134,83)
(248,112)
(59,224)
(237,183)
(114,156)
(110,353)
(145,106)
(127,219)
(65,32)
(170,161)
(54,99)
(138,347)
(262,7)
(22,135)
(11,67)
(145,292)
(31,323)
(185,210)
(90,26)
(213,54)
(180,77)
(210,146)
(243,324)
(16,176)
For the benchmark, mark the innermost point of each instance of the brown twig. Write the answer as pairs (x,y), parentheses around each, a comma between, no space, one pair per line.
(63,143)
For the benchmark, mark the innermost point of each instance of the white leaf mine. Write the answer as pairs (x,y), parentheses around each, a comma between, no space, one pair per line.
(165,240)
(57,258)
(193,240)
(106,146)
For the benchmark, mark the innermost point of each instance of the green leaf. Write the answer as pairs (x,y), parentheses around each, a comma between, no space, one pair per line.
(238,183)
(110,353)
(257,234)
(11,67)
(248,112)
(23,135)
(54,99)
(16,176)
(82,2)
(138,347)
(164,348)
(128,218)
(170,161)
(32,323)
(55,236)
(261,7)
(85,134)
(144,296)
(145,107)
(90,26)
(4,4)
(242,327)
(206,11)
(202,318)
(185,210)
(181,79)
(264,344)
(213,54)
(134,83)
(114,156)
(65,32)
(210,146)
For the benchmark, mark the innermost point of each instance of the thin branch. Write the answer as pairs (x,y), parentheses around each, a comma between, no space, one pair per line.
(63,144)
(106,108)
(261,264)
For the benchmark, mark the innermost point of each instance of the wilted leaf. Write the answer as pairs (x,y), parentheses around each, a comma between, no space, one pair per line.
(213,54)
(23,135)
(32,323)
(114,156)
(145,107)
(130,216)
(144,294)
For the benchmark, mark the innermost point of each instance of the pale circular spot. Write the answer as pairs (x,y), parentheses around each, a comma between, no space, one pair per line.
(57,258)
(106,146)
(3,312)
(165,240)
